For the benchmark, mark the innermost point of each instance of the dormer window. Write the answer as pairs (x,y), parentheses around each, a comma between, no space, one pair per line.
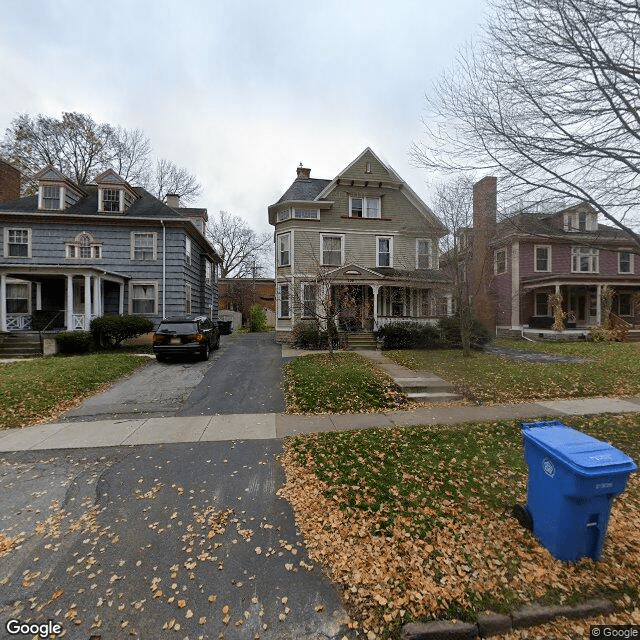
(111,200)
(580,221)
(50,197)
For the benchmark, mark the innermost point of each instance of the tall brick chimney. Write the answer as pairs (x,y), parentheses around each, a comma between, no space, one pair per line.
(485,206)
(9,182)
(303,172)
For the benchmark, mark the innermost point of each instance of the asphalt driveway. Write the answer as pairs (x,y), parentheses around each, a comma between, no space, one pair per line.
(159,541)
(243,376)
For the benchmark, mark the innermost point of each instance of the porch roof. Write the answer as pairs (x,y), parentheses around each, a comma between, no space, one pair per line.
(31,271)
(357,274)
(580,279)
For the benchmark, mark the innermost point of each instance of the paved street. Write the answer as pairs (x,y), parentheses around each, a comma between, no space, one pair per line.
(162,541)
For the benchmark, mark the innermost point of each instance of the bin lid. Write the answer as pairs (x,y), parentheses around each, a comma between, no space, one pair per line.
(584,454)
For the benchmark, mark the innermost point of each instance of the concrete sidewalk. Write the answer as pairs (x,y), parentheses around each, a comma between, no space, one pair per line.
(108,433)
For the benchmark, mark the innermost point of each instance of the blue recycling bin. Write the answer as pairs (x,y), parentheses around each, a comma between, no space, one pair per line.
(573,479)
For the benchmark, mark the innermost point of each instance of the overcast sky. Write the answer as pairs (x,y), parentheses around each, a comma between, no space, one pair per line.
(239,92)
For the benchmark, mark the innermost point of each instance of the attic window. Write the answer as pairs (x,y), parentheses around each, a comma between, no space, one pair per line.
(50,197)
(367,167)
(110,200)
(580,221)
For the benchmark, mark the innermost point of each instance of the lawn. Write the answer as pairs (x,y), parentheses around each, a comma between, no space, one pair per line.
(35,390)
(614,370)
(415,523)
(337,383)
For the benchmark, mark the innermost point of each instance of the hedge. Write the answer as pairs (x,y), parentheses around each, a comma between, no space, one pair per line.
(110,331)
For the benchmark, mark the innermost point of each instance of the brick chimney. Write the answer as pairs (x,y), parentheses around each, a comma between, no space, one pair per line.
(303,172)
(485,206)
(173,200)
(9,182)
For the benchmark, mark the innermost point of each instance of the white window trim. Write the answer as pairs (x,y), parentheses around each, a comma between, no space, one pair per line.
(535,258)
(631,262)
(390,239)
(61,197)
(279,252)
(316,213)
(284,284)
(208,271)
(283,218)
(431,258)
(120,199)
(75,244)
(332,235)
(495,262)
(13,281)
(594,255)
(364,206)
(6,242)
(133,283)
(133,245)
(187,249)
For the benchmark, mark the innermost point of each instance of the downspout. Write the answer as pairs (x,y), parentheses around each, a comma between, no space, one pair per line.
(164,268)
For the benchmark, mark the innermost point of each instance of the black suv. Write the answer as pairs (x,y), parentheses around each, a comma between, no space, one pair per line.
(185,336)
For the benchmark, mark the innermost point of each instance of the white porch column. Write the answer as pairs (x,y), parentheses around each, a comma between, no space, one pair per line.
(69,310)
(121,300)
(3,302)
(87,302)
(598,305)
(557,289)
(97,283)
(375,289)
(38,296)
(449,304)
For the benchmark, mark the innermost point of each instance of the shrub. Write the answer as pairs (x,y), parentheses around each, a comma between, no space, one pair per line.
(110,331)
(601,334)
(258,318)
(74,342)
(450,333)
(307,335)
(409,335)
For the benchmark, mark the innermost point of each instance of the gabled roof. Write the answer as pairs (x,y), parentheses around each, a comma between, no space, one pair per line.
(51,174)
(110,177)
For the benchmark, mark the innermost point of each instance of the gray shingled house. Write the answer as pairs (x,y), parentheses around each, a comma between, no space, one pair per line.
(74,252)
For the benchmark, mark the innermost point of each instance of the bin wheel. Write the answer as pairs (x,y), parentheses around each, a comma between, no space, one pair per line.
(522,515)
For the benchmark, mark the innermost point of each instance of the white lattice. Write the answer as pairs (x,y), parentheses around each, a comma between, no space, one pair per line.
(17,322)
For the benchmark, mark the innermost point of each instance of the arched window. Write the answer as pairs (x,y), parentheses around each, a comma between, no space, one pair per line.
(84,247)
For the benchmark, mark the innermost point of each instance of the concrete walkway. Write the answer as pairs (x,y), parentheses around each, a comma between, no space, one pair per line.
(111,433)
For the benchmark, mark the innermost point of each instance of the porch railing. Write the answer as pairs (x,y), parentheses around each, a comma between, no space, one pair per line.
(18,322)
(385,320)
(78,321)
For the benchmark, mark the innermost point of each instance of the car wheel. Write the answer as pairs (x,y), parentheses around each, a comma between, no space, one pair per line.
(206,352)
(160,358)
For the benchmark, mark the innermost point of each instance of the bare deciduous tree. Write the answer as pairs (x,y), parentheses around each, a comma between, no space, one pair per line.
(81,148)
(240,247)
(549,100)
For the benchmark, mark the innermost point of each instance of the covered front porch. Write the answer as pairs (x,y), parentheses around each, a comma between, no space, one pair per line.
(50,297)
(582,304)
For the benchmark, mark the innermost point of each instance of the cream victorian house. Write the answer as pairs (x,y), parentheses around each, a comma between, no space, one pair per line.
(366,233)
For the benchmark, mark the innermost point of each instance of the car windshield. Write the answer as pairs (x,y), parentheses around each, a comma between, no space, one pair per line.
(177,327)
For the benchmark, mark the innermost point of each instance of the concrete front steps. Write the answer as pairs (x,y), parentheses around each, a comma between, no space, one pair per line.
(420,386)
(359,340)
(23,344)
(427,389)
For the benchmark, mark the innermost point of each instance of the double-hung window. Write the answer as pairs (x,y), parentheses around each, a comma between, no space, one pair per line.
(18,297)
(17,243)
(111,200)
(383,253)
(542,304)
(309,300)
(143,246)
(332,250)
(365,207)
(584,260)
(143,297)
(542,258)
(625,262)
(625,304)
(50,197)
(284,301)
(284,250)
(187,249)
(500,261)
(424,258)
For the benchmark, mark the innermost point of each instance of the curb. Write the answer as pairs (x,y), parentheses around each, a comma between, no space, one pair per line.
(493,624)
